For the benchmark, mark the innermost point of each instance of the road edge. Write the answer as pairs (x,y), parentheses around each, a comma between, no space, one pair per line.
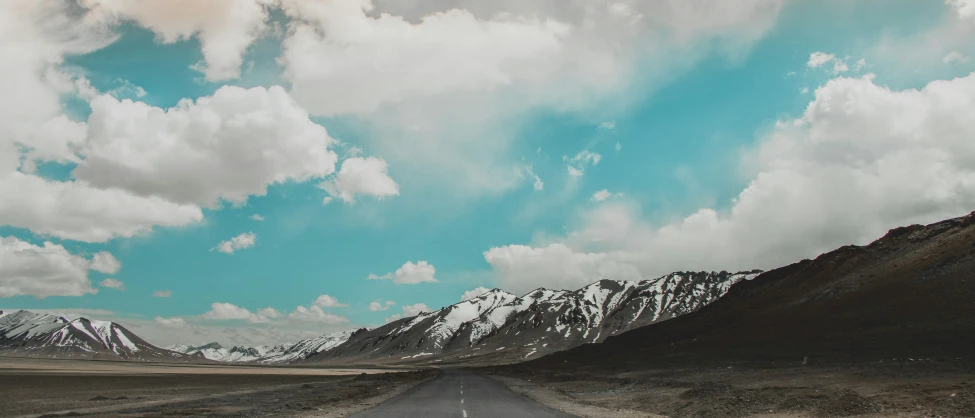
(371,402)
(560,401)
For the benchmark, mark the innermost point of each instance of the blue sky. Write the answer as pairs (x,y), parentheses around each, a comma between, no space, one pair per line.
(687,119)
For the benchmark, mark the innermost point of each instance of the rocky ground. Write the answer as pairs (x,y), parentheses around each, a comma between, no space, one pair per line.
(33,391)
(901,388)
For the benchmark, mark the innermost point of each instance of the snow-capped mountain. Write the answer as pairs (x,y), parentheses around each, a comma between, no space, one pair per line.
(25,333)
(500,327)
(235,354)
(282,353)
(305,348)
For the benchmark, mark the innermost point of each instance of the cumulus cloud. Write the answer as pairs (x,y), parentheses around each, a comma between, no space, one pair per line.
(409,273)
(173,322)
(75,210)
(408,311)
(228,311)
(224,28)
(819,59)
(41,271)
(240,242)
(256,217)
(361,176)
(112,284)
(473,293)
(442,86)
(37,36)
(326,301)
(862,159)
(376,306)
(315,313)
(227,146)
(965,9)
(105,262)
(162,293)
(416,309)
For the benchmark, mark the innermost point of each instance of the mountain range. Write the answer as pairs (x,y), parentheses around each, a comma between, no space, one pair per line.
(907,296)
(29,334)
(495,327)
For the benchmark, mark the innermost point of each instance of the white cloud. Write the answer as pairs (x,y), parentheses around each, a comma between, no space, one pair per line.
(338,46)
(162,293)
(227,146)
(224,28)
(376,306)
(577,164)
(521,268)
(441,87)
(862,159)
(173,322)
(105,262)
(416,309)
(229,311)
(818,59)
(41,271)
(112,284)
(326,301)
(608,125)
(804,90)
(75,210)
(316,314)
(223,310)
(473,293)
(537,182)
(603,195)
(619,146)
(36,37)
(365,176)
(954,57)
(256,217)
(408,311)
(574,172)
(240,242)
(965,9)
(409,273)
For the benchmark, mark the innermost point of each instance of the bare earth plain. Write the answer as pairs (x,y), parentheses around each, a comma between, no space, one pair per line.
(899,388)
(50,388)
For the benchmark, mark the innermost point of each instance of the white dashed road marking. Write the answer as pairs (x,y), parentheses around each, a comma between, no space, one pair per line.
(465,413)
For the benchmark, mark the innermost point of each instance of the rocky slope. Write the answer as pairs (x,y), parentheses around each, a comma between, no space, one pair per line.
(499,327)
(907,296)
(25,333)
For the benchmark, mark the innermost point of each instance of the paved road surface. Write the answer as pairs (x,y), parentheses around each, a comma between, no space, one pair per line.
(459,394)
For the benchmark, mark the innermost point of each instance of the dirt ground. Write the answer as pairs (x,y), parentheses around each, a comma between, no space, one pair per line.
(893,389)
(37,388)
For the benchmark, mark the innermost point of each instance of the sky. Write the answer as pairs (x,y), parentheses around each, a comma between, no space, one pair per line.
(260,171)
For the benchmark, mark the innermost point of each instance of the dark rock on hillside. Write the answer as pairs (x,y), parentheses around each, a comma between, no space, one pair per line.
(908,295)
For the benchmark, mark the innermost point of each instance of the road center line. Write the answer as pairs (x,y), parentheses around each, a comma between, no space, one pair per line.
(465,413)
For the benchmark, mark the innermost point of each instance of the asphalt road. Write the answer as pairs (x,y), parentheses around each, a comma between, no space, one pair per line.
(460,394)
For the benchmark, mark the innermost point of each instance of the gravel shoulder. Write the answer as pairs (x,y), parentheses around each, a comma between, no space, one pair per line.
(892,389)
(553,398)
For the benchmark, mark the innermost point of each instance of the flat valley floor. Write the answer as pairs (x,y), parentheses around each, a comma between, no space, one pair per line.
(49,388)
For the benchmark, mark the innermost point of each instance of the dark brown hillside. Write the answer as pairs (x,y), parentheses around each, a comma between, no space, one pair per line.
(910,294)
